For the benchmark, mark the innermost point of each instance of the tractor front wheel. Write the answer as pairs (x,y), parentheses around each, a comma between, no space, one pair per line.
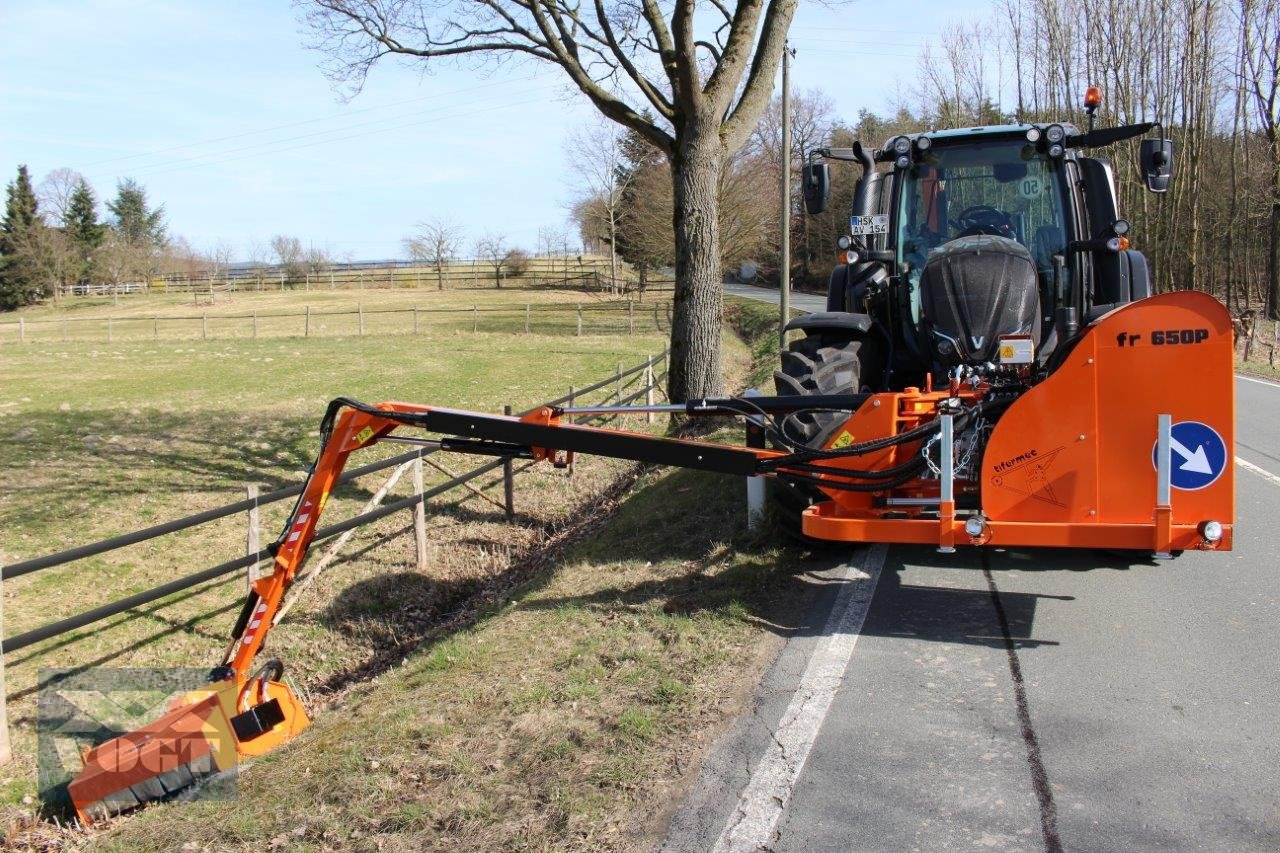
(819,364)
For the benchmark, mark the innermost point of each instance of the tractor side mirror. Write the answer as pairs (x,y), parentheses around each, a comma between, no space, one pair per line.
(1156,158)
(815,184)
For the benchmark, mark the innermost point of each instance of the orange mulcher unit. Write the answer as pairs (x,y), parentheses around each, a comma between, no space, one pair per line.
(992,371)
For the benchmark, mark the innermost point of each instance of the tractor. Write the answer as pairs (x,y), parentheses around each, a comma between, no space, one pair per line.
(992,370)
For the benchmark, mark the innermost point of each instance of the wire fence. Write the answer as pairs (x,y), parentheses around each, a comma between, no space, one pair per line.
(628,385)
(613,317)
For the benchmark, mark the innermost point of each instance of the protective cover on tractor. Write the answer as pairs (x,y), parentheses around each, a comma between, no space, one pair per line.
(972,291)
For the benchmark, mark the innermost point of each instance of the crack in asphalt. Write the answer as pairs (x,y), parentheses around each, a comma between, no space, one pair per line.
(1039,776)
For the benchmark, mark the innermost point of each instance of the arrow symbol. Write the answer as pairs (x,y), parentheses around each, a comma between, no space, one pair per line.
(1196,462)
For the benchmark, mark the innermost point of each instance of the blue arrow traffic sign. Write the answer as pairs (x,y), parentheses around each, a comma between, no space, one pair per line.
(1198,455)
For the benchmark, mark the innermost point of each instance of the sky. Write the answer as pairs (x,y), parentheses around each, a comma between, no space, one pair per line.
(221,112)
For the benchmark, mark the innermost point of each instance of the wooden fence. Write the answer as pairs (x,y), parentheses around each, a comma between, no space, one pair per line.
(629,385)
(614,317)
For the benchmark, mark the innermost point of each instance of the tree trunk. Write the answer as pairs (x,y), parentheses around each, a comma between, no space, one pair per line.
(439,276)
(698,306)
(613,252)
(1273,250)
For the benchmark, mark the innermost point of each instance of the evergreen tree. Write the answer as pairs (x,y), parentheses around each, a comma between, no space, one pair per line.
(136,224)
(19,280)
(82,229)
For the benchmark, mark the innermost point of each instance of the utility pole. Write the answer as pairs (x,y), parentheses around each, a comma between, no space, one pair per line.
(784,278)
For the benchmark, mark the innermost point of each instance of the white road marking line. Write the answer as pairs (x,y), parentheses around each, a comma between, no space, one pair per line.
(1259,381)
(1261,472)
(765,797)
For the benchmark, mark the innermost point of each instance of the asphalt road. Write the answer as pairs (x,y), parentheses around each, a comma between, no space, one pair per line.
(1024,700)
(799,301)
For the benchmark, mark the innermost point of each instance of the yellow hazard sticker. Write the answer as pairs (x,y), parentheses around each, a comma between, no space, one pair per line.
(844,439)
(364,435)
(1017,350)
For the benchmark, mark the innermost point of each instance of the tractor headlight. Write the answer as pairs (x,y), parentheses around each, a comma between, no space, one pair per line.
(1055,133)
(1211,531)
(923,143)
(844,242)
(902,145)
(1055,151)
(903,162)
(974,526)
(1033,135)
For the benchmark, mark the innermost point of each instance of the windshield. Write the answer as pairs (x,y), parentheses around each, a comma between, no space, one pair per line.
(1006,188)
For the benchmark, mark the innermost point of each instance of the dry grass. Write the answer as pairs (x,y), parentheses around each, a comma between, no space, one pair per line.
(546,685)
(97,441)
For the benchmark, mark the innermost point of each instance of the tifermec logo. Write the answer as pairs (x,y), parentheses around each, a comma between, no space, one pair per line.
(80,709)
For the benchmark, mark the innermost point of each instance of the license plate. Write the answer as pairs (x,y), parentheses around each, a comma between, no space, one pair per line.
(877,223)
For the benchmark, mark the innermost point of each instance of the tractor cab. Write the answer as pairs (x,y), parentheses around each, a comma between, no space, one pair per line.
(978,252)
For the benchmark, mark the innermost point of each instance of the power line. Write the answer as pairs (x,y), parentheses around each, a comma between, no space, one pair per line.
(434,119)
(272,129)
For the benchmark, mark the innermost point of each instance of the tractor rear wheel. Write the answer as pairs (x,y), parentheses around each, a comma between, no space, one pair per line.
(819,364)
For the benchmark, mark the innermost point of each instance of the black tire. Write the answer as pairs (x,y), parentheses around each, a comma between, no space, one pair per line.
(825,364)
(819,364)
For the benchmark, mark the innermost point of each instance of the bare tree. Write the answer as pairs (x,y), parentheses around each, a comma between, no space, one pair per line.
(317,259)
(219,258)
(812,120)
(436,242)
(123,261)
(54,194)
(1260,41)
(492,249)
(596,156)
(690,78)
(288,254)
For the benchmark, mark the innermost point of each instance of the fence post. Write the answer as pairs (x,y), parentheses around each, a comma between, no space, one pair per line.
(307,283)
(475,318)
(360,315)
(572,397)
(618,384)
(155,327)
(656,327)
(255,325)
(648,389)
(419,515)
(579,319)
(631,316)
(391,277)
(306,324)
(331,279)
(415,319)
(282,281)
(110,336)
(6,753)
(526,318)
(251,544)
(204,326)
(508,479)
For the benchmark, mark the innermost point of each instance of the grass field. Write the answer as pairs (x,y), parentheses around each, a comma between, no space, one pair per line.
(97,440)
(548,683)
(568,712)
